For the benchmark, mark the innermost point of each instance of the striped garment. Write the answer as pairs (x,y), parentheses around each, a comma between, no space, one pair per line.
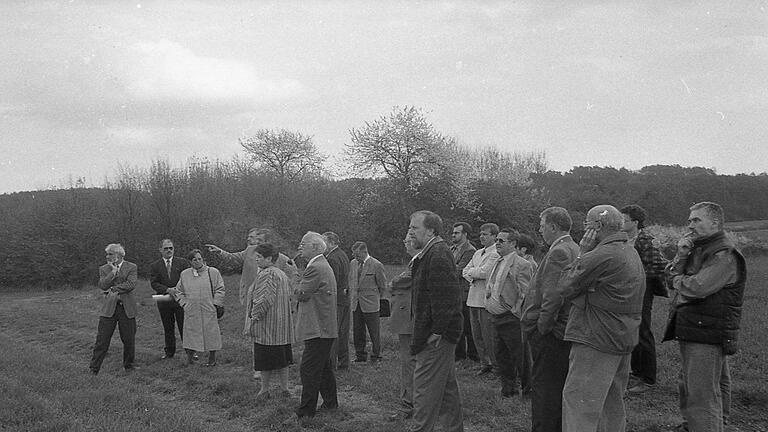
(270,310)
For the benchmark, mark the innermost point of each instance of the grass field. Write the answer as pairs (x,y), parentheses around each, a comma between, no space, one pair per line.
(46,340)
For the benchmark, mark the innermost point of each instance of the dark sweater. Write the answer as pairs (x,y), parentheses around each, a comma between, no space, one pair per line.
(436,295)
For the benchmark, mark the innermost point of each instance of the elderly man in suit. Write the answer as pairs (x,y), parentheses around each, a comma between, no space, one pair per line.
(316,325)
(117,279)
(163,274)
(367,284)
(544,319)
(437,323)
(339,262)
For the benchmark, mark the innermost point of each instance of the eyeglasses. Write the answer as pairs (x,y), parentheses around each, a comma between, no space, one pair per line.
(502,241)
(456,233)
(168,248)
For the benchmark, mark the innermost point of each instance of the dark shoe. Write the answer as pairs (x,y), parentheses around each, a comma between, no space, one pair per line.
(509,394)
(400,416)
(376,358)
(132,368)
(94,371)
(195,357)
(166,356)
(325,407)
(485,369)
(209,364)
(360,360)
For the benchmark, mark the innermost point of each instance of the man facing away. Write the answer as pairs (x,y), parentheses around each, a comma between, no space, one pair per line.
(544,320)
(163,274)
(367,284)
(117,279)
(605,286)
(436,307)
(507,285)
(476,272)
(316,326)
(339,263)
(709,275)
(643,363)
(463,251)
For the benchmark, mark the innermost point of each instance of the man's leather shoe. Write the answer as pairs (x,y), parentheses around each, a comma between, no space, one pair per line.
(166,356)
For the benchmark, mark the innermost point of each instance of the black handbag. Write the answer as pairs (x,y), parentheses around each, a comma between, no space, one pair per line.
(384,309)
(219,309)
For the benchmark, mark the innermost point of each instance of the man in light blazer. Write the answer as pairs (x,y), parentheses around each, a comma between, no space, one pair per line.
(117,279)
(163,274)
(316,325)
(544,322)
(367,284)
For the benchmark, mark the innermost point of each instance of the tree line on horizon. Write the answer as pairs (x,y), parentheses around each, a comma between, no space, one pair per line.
(397,164)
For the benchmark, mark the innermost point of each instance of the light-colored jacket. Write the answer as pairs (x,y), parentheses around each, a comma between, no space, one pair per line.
(198,292)
(316,294)
(508,285)
(367,288)
(118,288)
(477,271)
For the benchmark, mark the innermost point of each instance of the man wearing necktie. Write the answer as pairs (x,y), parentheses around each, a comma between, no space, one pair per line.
(367,284)
(163,274)
(117,279)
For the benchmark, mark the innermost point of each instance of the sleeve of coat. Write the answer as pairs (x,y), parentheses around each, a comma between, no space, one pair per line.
(443,297)
(218,286)
(309,284)
(381,279)
(181,293)
(105,278)
(129,283)
(551,302)
(154,280)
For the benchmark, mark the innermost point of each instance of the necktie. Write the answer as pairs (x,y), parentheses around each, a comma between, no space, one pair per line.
(168,267)
(359,272)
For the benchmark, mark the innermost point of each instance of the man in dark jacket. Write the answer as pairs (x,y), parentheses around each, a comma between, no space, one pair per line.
(339,262)
(163,274)
(709,275)
(463,251)
(437,327)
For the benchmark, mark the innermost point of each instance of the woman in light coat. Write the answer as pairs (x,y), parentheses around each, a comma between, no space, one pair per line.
(199,291)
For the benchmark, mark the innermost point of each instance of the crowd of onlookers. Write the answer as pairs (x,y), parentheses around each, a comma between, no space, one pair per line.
(570,332)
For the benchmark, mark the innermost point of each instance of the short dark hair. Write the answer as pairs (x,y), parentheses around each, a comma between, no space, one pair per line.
(332,237)
(360,245)
(491,227)
(267,251)
(559,217)
(714,210)
(465,228)
(636,213)
(432,221)
(193,252)
(527,242)
(163,241)
(512,233)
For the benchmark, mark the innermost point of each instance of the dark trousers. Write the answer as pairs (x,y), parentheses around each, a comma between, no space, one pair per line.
(127,328)
(317,376)
(643,361)
(466,346)
(171,316)
(361,320)
(550,368)
(509,353)
(340,348)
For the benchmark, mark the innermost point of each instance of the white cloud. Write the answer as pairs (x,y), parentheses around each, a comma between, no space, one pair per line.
(168,70)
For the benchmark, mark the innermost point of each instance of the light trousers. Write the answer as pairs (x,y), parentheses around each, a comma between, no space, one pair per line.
(435,389)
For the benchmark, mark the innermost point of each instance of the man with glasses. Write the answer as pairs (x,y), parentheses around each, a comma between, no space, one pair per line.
(605,286)
(163,274)
(476,272)
(462,252)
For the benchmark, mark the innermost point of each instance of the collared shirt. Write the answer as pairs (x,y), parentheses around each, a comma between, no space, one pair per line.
(507,284)
(426,246)
(313,259)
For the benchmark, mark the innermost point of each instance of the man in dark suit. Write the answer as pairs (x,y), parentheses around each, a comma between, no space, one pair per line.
(544,322)
(437,327)
(163,274)
(339,263)
(117,279)
(463,251)
(367,285)
(316,326)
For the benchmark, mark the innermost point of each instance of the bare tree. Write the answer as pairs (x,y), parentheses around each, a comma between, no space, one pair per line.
(284,153)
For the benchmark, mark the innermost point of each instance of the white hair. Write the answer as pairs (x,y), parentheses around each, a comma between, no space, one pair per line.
(116,248)
(315,239)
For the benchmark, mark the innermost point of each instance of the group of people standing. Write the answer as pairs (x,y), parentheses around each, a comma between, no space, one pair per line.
(569,331)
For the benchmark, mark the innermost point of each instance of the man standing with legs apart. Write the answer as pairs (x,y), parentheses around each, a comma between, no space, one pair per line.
(507,286)
(316,326)
(367,284)
(605,284)
(339,262)
(476,272)
(544,320)
(437,317)
(163,274)
(462,253)
(709,275)
(117,279)
(643,362)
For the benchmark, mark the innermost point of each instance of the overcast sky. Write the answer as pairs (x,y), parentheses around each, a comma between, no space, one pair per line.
(88,86)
